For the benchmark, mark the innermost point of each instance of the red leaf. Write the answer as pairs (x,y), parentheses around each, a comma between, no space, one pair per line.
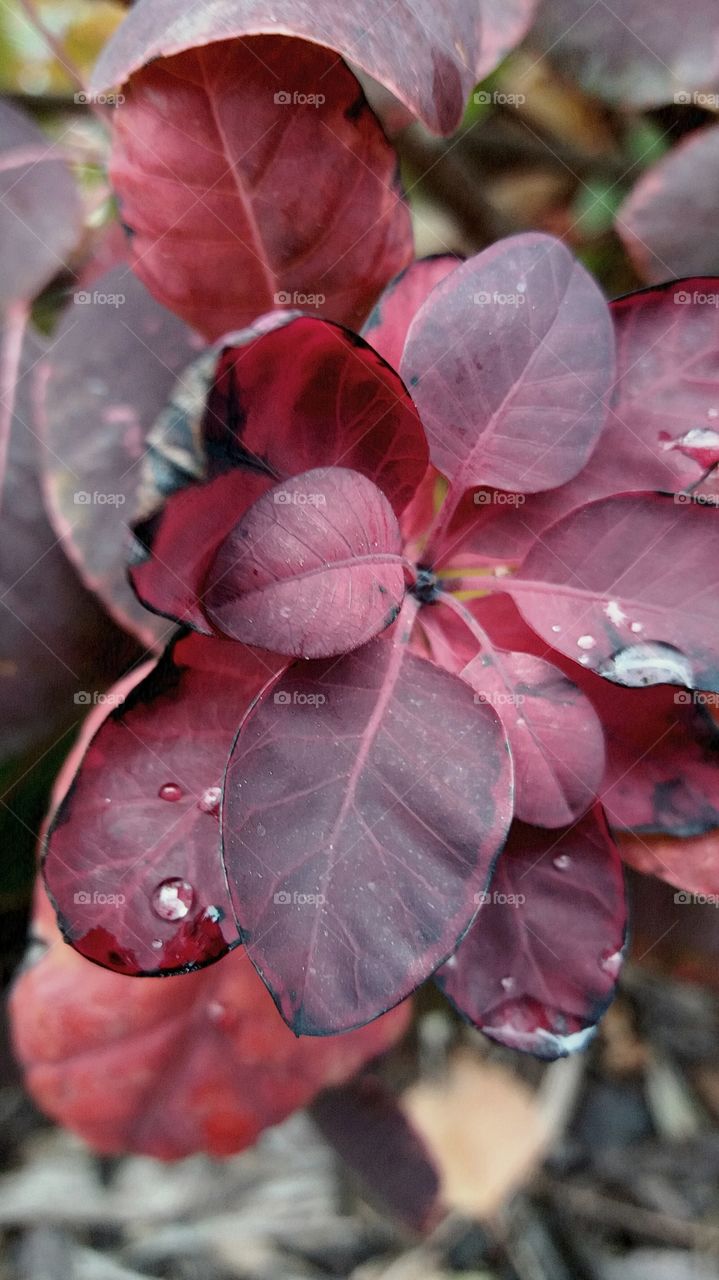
(365,804)
(515,399)
(428,55)
(250,438)
(40,210)
(628,587)
(108,374)
(638,55)
(677,193)
(167,1069)
(210,158)
(133,856)
(540,965)
(554,733)
(691,865)
(313,569)
(387,326)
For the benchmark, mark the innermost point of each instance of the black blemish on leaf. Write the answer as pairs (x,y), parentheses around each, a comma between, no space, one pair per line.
(356,108)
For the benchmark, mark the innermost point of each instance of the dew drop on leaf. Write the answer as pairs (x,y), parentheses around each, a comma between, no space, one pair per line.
(172,899)
(562,861)
(209,801)
(611,963)
(170,791)
(648,663)
(586,642)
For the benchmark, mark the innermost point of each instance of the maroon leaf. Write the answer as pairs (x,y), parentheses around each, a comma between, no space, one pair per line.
(679,192)
(374,1137)
(40,211)
(233,188)
(662,758)
(365,803)
(554,733)
(540,964)
(133,859)
(387,326)
(637,55)
(114,360)
(429,56)
(513,398)
(58,647)
(628,587)
(248,440)
(313,569)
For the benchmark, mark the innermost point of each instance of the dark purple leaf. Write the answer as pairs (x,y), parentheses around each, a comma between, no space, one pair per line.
(540,964)
(213,151)
(365,803)
(508,362)
(114,360)
(376,1140)
(133,859)
(637,53)
(313,569)
(668,222)
(429,56)
(40,211)
(629,588)
(554,733)
(59,648)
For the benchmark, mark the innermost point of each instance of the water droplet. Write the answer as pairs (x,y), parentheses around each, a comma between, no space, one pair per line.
(586,642)
(261,831)
(615,613)
(285,613)
(647,663)
(584,660)
(170,791)
(210,800)
(172,899)
(556,627)
(157,943)
(215,1010)
(508,983)
(712,413)
(637,627)
(562,861)
(522,286)
(611,963)
(215,914)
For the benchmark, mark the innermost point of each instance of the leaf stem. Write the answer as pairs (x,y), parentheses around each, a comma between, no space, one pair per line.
(10,354)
